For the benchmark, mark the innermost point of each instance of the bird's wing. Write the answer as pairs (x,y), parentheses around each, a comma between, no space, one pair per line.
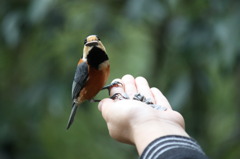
(80,79)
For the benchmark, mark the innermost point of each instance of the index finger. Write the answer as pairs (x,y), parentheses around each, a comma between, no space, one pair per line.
(119,89)
(129,85)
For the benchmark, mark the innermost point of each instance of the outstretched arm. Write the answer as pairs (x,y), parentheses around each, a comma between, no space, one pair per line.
(134,122)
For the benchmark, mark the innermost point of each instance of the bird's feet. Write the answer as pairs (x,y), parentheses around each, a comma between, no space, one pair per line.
(119,96)
(113,84)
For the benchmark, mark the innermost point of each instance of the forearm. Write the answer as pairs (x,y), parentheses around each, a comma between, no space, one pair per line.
(149,131)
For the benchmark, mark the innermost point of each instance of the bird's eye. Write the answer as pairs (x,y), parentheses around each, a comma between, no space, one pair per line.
(85,41)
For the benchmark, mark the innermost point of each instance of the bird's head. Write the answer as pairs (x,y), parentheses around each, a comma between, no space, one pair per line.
(90,42)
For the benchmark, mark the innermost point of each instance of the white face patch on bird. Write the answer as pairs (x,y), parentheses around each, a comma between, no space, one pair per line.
(90,42)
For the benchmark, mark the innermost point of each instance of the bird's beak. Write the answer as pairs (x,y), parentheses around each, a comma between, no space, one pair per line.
(92,43)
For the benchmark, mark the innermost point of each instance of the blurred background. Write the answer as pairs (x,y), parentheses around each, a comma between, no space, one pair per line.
(188,49)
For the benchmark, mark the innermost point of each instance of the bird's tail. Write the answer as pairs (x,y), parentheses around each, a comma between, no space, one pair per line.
(73,112)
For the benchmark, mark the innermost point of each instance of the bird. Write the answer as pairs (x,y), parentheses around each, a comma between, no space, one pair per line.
(91,74)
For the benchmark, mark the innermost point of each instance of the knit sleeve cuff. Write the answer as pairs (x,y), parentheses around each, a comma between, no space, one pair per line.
(173,147)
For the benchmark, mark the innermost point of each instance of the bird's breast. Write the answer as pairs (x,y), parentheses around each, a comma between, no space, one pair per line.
(95,82)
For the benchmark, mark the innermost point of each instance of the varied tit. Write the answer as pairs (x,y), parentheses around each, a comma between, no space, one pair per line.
(91,74)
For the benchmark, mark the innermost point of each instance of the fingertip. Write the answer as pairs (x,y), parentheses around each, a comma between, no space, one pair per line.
(154,89)
(156,92)
(160,98)
(102,103)
(140,81)
(129,85)
(140,78)
(127,77)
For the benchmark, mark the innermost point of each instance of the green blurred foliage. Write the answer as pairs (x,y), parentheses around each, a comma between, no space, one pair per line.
(188,49)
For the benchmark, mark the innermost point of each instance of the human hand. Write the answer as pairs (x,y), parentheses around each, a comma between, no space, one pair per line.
(134,122)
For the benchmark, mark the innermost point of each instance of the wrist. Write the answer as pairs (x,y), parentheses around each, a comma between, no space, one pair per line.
(145,132)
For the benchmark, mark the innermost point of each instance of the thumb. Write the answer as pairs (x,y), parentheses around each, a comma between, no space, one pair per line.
(104,106)
(104,103)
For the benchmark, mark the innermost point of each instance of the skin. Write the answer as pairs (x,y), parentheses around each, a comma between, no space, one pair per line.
(134,122)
